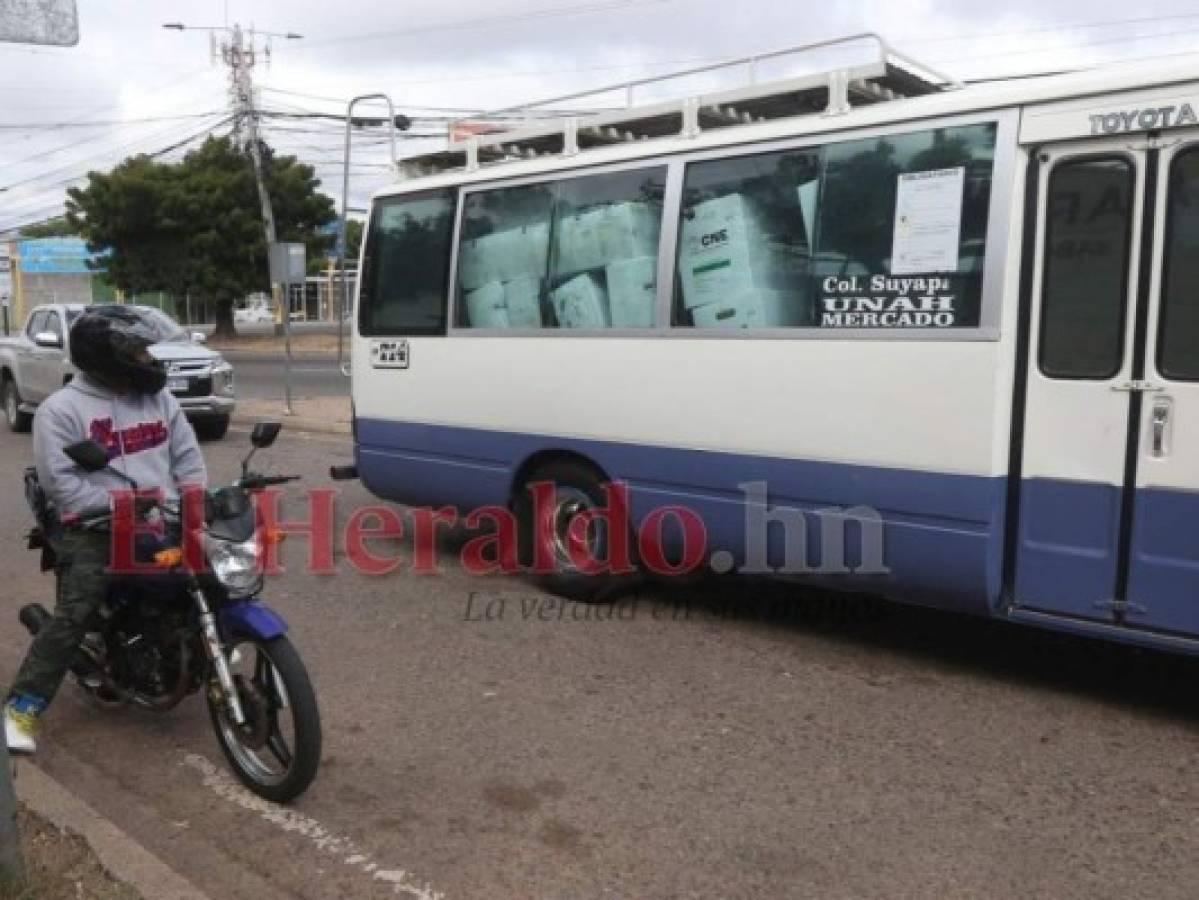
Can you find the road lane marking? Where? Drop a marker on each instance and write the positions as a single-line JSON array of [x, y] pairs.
[[402, 882]]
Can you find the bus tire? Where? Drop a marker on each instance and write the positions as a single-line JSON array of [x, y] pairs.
[[578, 486]]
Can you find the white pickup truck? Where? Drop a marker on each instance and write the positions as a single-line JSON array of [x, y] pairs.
[[36, 362]]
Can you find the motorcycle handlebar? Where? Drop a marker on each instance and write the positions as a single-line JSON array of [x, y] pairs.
[[258, 482], [98, 514]]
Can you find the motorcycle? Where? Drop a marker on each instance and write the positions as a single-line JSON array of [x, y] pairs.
[[159, 637]]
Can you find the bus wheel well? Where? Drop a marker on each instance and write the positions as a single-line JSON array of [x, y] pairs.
[[543, 459]]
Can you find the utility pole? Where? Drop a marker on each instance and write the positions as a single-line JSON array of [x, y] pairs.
[[241, 51]]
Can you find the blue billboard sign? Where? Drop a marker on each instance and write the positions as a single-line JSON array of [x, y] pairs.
[[58, 256]]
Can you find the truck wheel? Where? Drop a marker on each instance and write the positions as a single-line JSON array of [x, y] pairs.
[[18, 421], [211, 429]]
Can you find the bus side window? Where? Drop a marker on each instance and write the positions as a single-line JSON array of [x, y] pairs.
[[581, 253], [902, 229], [405, 286], [502, 257], [806, 238], [1086, 263], [604, 268], [745, 241]]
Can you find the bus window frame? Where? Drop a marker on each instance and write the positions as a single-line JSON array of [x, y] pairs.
[[364, 274], [1163, 312], [1131, 235], [996, 262]]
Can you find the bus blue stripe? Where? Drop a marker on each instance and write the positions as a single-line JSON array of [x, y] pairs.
[[943, 532]]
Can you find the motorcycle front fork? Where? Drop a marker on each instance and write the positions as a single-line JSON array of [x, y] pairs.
[[216, 655]]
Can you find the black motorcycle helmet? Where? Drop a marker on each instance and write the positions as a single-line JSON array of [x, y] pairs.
[[110, 343]]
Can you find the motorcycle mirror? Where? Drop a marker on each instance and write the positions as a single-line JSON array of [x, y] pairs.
[[88, 455], [264, 434]]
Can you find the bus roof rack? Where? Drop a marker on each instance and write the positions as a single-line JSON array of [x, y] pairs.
[[535, 129]]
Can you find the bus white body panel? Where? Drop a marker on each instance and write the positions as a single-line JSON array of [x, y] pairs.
[[737, 396]]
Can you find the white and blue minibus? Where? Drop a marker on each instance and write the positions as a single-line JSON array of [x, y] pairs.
[[967, 314]]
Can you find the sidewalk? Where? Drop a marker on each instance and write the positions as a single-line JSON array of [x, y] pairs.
[[301, 344], [74, 851], [325, 415]]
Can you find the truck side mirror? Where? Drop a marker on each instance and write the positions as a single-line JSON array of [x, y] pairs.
[[88, 455]]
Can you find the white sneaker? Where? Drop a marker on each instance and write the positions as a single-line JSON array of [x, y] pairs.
[[19, 729]]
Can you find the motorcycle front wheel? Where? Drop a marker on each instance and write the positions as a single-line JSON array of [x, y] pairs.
[[277, 751]]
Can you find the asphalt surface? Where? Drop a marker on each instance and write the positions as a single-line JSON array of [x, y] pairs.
[[262, 376], [265, 328], [718, 740]]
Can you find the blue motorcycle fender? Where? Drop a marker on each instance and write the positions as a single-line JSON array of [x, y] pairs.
[[251, 620]]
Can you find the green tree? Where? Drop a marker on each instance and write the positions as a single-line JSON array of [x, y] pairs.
[[57, 227], [354, 228], [196, 226]]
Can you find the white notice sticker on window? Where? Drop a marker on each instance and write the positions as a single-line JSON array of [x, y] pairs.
[[928, 222]]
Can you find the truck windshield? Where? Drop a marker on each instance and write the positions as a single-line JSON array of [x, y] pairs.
[[166, 328]]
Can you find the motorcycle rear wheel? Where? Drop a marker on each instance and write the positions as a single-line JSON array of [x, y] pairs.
[[272, 764]]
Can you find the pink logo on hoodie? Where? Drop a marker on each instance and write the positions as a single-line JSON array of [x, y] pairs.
[[134, 439]]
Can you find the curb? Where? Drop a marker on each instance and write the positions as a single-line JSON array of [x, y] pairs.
[[277, 353], [123, 857], [294, 423]]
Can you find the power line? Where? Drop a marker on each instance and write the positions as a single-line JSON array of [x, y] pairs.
[[1065, 26], [120, 148], [99, 123], [31, 203], [60, 148], [166, 87], [1057, 48], [489, 21], [702, 60], [83, 121]]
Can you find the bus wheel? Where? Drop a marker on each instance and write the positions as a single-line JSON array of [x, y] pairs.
[[577, 489]]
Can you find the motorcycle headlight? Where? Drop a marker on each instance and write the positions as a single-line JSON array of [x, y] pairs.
[[237, 566]]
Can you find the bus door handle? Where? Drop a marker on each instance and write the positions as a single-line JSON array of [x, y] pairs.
[[1162, 409]]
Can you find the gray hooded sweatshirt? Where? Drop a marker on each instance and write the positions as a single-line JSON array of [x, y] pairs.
[[146, 435]]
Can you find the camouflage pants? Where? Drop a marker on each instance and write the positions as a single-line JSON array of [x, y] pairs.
[[82, 577]]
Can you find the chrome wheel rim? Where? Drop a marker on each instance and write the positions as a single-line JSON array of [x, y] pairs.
[[569, 503], [263, 749]]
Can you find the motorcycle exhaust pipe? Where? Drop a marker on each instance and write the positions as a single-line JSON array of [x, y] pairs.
[[33, 617]]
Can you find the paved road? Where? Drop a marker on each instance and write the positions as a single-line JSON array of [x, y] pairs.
[[262, 328], [260, 376], [702, 745]]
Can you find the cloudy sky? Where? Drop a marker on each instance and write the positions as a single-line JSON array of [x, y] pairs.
[[130, 86]]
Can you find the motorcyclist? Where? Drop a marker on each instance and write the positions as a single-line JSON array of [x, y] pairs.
[[118, 401]]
